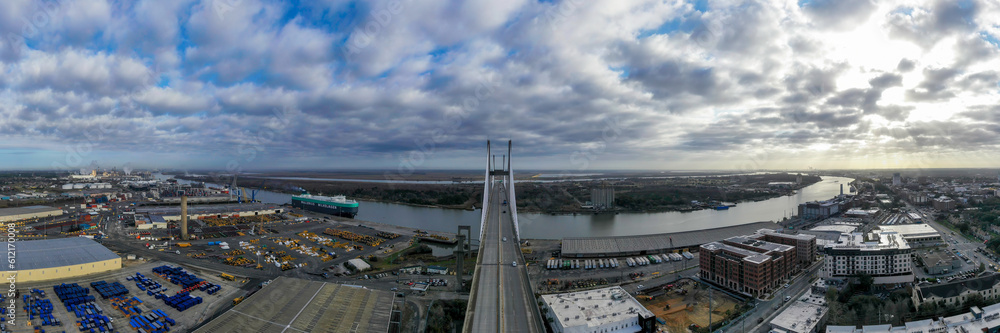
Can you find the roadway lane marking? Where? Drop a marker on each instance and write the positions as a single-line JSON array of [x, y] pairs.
[[303, 308], [500, 299], [264, 320]]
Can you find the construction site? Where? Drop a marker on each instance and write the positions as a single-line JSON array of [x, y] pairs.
[[684, 304]]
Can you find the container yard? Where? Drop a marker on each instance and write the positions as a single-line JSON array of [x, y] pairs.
[[134, 300], [295, 246]]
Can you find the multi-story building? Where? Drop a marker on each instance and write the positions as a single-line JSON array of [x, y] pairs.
[[805, 245], [896, 180], [603, 197], [818, 209], [918, 198], [746, 265], [955, 293], [944, 203], [883, 255]]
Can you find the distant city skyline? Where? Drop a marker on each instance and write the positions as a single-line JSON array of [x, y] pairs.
[[577, 85]]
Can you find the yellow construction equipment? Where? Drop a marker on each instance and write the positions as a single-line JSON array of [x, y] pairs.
[[183, 244], [227, 277], [237, 300]]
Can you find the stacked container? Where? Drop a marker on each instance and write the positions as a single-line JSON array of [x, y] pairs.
[[108, 290], [155, 321], [72, 294], [78, 301], [182, 301], [210, 288], [41, 309], [177, 275]]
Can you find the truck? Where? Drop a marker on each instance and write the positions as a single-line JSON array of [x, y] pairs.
[[183, 244], [227, 277]]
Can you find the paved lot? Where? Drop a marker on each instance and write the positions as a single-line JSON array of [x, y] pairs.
[[955, 242], [543, 251], [296, 305]]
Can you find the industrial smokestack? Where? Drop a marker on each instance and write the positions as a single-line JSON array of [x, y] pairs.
[[184, 217]]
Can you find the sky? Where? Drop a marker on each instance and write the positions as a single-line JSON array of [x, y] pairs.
[[577, 85]]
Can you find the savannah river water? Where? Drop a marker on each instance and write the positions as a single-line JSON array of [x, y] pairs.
[[547, 226]]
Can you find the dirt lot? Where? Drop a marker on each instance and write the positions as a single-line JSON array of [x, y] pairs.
[[688, 304]]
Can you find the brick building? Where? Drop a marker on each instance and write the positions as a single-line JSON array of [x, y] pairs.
[[747, 265], [805, 245]]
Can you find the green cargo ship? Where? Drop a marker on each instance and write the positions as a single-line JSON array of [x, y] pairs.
[[336, 205]]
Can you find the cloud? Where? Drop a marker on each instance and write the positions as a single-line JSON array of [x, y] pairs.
[[839, 14], [638, 84]]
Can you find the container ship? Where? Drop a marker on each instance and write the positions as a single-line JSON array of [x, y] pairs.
[[336, 205]]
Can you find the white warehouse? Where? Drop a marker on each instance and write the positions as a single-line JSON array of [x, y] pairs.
[[607, 310]]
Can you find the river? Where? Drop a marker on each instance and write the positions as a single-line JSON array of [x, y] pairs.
[[546, 226]]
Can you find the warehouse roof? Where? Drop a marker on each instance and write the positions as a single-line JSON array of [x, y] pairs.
[[205, 209], [958, 287], [298, 305], [26, 210], [801, 317], [38, 254], [595, 246], [912, 230], [595, 308]]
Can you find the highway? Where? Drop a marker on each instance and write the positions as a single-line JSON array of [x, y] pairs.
[[503, 301]]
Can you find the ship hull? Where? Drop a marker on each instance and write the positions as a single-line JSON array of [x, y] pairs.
[[341, 211]]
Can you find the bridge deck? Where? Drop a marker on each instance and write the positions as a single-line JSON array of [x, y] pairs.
[[503, 301]]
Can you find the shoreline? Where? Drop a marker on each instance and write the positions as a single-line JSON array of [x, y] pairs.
[[472, 206]]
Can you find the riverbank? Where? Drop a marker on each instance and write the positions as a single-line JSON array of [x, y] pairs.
[[632, 195], [547, 226]]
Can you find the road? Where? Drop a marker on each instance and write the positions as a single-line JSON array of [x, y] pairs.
[[768, 309], [503, 301], [955, 242]]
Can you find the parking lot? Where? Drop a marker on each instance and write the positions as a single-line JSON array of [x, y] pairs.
[[971, 253], [546, 280]]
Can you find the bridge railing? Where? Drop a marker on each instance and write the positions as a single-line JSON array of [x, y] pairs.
[[486, 194], [510, 188]]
